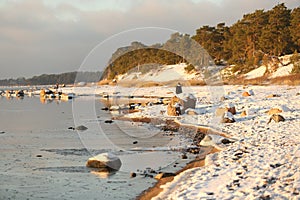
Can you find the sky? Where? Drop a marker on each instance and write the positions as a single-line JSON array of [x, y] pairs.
[[55, 36]]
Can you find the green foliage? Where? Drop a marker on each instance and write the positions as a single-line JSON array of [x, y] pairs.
[[295, 28], [247, 44], [258, 34], [178, 49], [295, 59]]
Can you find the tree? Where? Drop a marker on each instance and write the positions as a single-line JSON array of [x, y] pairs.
[[275, 39], [295, 28]]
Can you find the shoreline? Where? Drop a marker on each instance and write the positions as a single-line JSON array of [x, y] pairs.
[[173, 124], [156, 189]]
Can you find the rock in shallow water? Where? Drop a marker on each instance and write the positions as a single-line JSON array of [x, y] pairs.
[[104, 160], [81, 128]]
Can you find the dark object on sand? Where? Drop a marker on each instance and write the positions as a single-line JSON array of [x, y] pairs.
[[132, 174], [277, 118], [164, 175], [109, 121], [184, 156], [135, 142], [71, 128], [105, 108], [226, 141]]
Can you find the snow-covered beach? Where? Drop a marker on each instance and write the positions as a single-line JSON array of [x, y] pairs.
[[263, 162], [264, 159]]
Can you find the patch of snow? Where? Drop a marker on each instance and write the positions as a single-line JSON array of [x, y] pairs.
[[283, 71], [258, 72], [162, 74]]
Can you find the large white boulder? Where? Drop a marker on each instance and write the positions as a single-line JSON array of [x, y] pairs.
[[104, 160]]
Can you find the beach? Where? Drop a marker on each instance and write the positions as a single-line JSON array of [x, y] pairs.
[[42, 158]]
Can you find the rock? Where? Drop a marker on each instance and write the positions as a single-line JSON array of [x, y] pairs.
[[135, 142], [246, 94], [164, 175], [104, 160], [272, 95], [274, 111], [184, 156], [2, 132], [132, 174], [171, 109], [105, 108], [227, 108], [232, 110], [243, 113], [109, 121], [71, 128], [39, 156], [180, 103], [276, 118], [226, 141], [227, 118], [81, 128]]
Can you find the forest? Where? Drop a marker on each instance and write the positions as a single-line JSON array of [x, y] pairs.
[[250, 42], [52, 79]]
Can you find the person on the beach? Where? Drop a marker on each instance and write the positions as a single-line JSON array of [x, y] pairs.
[[178, 89]]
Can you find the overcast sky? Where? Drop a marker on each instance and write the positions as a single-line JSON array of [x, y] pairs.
[[54, 36]]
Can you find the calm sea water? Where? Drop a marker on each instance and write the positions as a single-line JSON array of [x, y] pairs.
[[41, 158]]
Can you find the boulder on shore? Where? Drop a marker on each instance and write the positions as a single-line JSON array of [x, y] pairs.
[[180, 103], [274, 111], [276, 118], [226, 108], [227, 118], [104, 160]]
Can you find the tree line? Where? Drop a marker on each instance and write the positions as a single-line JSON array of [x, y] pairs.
[[52, 79], [248, 43]]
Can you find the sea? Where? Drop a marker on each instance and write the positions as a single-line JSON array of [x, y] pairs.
[[43, 157]]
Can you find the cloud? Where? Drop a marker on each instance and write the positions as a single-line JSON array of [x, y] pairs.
[[41, 37]]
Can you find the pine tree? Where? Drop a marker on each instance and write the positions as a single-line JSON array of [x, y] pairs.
[[275, 39], [295, 28]]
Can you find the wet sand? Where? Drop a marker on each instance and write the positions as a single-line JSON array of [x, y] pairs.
[[199, 161]]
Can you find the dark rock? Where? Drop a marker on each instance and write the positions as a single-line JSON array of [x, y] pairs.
[[81, 128], [135, 142], [109, 121], [226, 141], [184, 156], [39, 156], [132, 174], [2, 132], [71, 128], [105, 108], [276, 118], [198, 137], [275, 165]]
